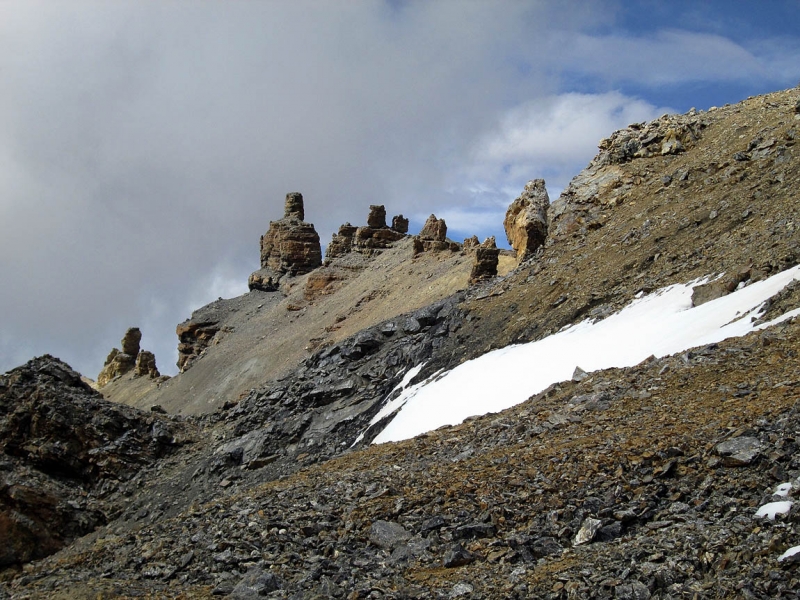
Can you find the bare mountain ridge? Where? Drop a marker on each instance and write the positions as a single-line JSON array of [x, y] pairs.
[[631, 483]]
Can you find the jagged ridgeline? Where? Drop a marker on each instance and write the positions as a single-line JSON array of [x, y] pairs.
[[672, 478]]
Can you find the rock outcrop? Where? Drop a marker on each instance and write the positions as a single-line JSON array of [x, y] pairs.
[[146, 365], [60, 444], [194, 336], [433, 237], [131, 358], [487, 255], [400, 224], [376, 235], [434, 230], [290, 246], [526, 219], [342, 242]]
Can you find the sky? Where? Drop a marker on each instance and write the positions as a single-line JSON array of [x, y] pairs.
[[146, 145]]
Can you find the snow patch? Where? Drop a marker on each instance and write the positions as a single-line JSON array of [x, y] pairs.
[[772, 509], [789, 553], [659, 324]]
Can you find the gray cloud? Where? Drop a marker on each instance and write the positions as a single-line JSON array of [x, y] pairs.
[[144, 146]]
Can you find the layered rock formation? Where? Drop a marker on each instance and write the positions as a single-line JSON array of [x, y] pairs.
[[366, 240], [290, 247], [433, 237], [131, 358], [526, 219]]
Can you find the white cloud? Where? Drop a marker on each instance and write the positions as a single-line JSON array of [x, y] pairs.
[[552, 137]]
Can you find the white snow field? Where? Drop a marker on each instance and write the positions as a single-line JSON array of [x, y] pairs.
[[661, 323]]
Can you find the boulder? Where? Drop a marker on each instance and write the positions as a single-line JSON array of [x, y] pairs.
[[526, 219], [264, 280]]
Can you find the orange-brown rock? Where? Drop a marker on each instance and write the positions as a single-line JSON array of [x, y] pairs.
[[434, 229], [146, 365], [471, 243], [118, 363], [433, 237], [376, 235], [526, 219], [291, 246]]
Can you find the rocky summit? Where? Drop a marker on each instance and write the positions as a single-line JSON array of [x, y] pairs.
[[253, 472]]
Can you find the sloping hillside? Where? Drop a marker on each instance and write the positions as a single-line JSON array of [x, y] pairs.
[[642, 482], [264, 335]]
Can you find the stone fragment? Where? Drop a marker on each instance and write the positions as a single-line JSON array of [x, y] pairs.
[[256, 583], [632, 591], [457, 556], [387, 534], [587, 532], [526, 220], [474, 530], [738, 452], [579, 375]]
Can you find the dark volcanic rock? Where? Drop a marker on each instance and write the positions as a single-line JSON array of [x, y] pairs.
[[62, 441]]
